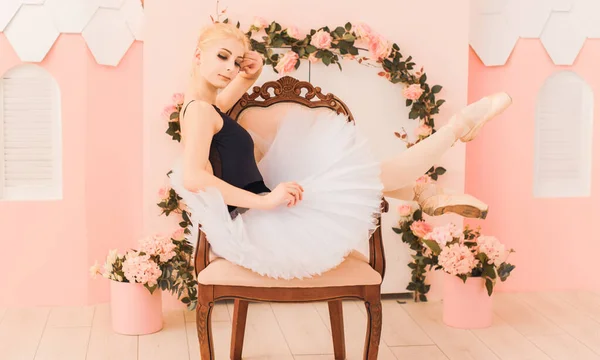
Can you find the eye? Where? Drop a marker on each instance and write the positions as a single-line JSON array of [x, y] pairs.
[[223, 57], [238, 64]]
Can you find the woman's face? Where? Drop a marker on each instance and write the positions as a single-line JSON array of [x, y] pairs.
[[219, 62]]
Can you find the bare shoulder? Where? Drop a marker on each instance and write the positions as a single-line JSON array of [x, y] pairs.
[[202, 114]]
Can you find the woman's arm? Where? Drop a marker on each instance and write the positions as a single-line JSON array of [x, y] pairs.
[[251, 69], [202, 122]]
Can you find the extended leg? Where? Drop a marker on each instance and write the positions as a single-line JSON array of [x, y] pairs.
[[401, 170]]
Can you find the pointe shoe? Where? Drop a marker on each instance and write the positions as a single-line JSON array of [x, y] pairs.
[[435, 200], [482, 111]]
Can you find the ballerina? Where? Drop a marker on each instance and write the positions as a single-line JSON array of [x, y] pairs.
[[318, 186]]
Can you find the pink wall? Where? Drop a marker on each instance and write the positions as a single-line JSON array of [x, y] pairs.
[[48, 246], [554, 238]]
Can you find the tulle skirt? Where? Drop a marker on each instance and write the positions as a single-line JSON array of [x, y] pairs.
[[342, 197]]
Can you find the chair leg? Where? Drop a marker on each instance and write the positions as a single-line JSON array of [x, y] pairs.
[[203, 322], [240, 312], [336, 316], [374, 318]]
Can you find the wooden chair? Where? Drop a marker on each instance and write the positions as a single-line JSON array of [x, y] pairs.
[[356, 278]]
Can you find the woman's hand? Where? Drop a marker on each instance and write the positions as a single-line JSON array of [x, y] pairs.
[[285, 193], [251, 66]]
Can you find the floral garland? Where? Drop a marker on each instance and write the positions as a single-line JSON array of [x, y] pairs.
[[329, 45]]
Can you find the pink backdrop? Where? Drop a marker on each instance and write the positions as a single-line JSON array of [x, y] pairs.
[[48, 246], [554, 238]]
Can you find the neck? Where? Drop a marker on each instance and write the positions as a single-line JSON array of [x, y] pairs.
[[200, 89]]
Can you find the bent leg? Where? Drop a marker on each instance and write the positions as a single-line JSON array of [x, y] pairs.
[[403, 169]]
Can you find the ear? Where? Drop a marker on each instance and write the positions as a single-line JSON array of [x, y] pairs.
[[197, 55]]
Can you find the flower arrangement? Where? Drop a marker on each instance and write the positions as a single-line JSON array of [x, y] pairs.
[[159, 262], [463, 253]]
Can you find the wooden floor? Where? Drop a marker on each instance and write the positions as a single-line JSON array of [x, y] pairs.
[[526, 326]]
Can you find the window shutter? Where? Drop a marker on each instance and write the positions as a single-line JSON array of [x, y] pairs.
[[30, 135], [563, 137]]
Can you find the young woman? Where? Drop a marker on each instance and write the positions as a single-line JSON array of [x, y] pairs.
[[314, 195]]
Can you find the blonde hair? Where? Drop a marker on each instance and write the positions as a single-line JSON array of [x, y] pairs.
[[219, 30]]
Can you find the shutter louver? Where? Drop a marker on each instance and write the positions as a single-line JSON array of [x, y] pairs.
[[29, 135], [563, 139]]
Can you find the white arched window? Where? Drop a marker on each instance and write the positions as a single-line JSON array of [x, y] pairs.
[[563, 137], [30, 135]]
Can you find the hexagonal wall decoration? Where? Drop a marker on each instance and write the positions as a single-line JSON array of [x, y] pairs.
[[8, 9], [587, 14], [562, 38], [108, 37], [492, 38], [32, 43], [111, 4], [71, 16], [561, 5], [528, 16], [488, 6], [133, 13]]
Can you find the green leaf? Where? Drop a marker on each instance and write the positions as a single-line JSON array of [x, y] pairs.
[[440, 102], [310, 49], [340, 31], [440, 171], [352, 50], [488, 271], [423, 79], [433, 245], [348, 26], [395, 47], [489, 285], [422, 297], [411, 286], [397, 230], [174, 116], [436, 89], [409, 102]]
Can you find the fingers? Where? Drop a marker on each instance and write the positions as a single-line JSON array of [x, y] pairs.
[[295, 191]]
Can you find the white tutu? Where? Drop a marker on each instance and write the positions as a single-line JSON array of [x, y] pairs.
[[325, 154]]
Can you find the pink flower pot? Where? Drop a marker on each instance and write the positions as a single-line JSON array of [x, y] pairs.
[[466, 305], [134, 311]]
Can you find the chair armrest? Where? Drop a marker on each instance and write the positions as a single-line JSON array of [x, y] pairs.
[[376, 251], [201, 258]]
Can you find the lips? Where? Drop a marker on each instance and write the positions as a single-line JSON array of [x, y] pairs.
[[224, 77]]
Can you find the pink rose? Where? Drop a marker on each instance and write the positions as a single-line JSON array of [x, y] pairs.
[[164, 192], [168, 110], [295, 33], [178, 99], [457, 259], [287, 63], [313, 58], [379, 47], [362, 31], [423, 130], [321, 39], [420, 228], [424, 180], [260, 23], [412, 92], [405, 210]]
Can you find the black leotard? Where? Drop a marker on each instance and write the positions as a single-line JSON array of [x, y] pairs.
[[232, 157]]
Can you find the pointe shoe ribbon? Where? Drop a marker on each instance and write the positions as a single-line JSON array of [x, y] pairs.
[[482, 111]]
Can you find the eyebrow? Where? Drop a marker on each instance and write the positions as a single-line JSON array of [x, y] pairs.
[[239, 57]]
